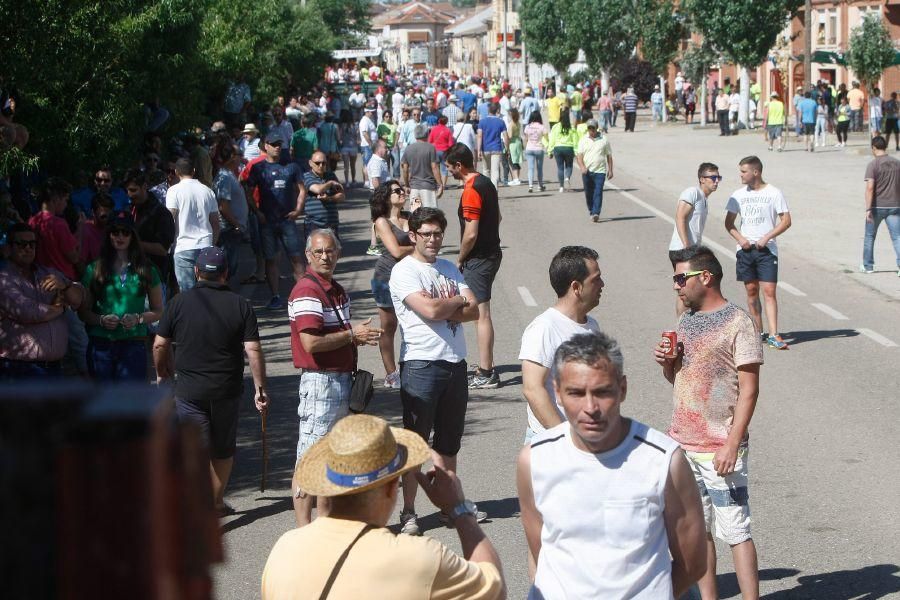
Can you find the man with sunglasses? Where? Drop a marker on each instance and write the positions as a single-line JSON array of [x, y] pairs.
[[691, 213], [764, 216], [715, 375], [431, 301], [324, 192]]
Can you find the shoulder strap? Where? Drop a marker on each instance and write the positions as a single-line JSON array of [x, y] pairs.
[[340, 319], [340, 563]]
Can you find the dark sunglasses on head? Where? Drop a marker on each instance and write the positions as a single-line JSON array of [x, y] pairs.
[[121, 232], [25, 243]]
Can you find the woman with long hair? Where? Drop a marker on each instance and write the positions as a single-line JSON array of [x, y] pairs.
[[535, 141], [349, 147], [118, 286], [514, 128], [563, 139], [391, 225]]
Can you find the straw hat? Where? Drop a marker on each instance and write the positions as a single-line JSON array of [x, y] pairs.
[[360, 452]]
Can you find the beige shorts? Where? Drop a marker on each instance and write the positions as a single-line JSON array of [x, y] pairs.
[[428, 197], [727, 498]]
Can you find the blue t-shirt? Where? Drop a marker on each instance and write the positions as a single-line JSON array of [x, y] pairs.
[[483, 110], [468, 100], [318, 213], [807, 109], [82, 198], [277, 186], [492, 129]]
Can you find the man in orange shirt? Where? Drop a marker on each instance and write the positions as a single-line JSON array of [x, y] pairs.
[[479, 252]]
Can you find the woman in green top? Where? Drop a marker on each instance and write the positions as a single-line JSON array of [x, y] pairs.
[[563, 139], [118, 285], [387, 131], [516, 146], [843, 122]]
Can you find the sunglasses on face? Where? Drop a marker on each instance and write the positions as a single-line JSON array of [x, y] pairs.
[[680, 279], [398, 191], [716, 178], [102, 180], [318, 163], [25, 243], [120, 233]]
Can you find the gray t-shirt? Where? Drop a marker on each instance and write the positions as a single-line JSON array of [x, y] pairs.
[[420, 156], [693, 196], [885, 172], [229, 190]]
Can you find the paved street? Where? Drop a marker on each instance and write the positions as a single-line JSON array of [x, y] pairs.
[[824, 479]]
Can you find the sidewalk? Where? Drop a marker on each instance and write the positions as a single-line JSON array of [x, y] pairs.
[[825, 189]]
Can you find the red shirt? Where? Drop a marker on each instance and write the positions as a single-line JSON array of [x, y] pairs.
[[245, 175], [54, 242], [91, 241], [310, 311], [440, 137]]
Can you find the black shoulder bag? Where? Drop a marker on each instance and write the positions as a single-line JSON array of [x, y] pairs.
[[361, 389], [340, 563]]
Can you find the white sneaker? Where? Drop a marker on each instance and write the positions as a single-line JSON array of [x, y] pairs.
[[409, 523], [392, 380], [514, 182], [561, 190]]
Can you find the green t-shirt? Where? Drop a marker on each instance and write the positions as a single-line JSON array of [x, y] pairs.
[[120, 297], [304, 142], [388, 133], [776, 113]]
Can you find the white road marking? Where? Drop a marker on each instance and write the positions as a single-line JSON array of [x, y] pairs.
[[876, 337], [527, 298], [789, 288], [830, 311]]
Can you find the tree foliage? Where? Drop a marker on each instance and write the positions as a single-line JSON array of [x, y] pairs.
[[660, 30], [870, 51], [603, 29], [545, 24], [743, 30], [636, 73], [697, 60], [348, 20]]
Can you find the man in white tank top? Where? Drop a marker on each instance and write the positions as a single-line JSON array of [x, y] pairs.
[[609, 505]]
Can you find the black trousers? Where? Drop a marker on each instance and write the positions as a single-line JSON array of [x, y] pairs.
[[723, 122], [630, 118]]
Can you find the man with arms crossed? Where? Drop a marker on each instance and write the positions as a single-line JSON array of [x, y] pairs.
[[479, 252], [716, 379], [431, 300], [609, 505], [764, 216], [690, 216]]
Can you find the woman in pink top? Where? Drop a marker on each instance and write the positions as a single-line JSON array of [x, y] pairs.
[[441, 138], [535, 135]]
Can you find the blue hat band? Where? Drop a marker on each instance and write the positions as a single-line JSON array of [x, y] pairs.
[[362, 479]]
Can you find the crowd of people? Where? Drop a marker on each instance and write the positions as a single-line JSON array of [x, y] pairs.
[[114, 278]]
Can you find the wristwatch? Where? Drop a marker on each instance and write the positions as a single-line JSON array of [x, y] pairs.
[[466, 507], [141, 319]]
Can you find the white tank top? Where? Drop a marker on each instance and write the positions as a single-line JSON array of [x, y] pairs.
[[604, 535]]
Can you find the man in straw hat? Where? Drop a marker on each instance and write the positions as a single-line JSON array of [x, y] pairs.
[[349, 553]]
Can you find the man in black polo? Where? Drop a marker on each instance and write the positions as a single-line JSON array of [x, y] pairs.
[[324, 191], [155, 227], [212, 328], [479, 252]]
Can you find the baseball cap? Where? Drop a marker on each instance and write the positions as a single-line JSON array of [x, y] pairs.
[[273, 137], [120, 219], [211, 260], [593, 124], [453, 98], [773, 95]]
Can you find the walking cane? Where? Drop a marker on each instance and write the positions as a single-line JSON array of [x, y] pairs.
[[265, 450]]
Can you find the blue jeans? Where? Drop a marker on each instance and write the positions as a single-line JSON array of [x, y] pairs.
[[230, 243], [606, 120], [20, 370], [441, 163], [120, 360], [892, 216], [535, 160], [593, 191], [565, 157], [184, 268], [395, 162], [657, 112]]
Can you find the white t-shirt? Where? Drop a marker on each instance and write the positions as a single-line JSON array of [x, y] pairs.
[[693, 196], [397, 104], [195, 203], [734, 103], [759, 211], [366, 125], [424, 339], [377, 167], [540, 340]]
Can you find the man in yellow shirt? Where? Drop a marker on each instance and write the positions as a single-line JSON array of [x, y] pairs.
[[855, 98], [594, 156], [349, 554], [554, 105], [775, 121]]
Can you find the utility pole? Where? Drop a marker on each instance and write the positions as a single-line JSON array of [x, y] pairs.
[[505, 51], [807, 43]]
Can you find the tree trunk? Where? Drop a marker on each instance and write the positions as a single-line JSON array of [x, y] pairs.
[[807, 43], [703, 101], [604, 80], [744, 108], [662, 89]]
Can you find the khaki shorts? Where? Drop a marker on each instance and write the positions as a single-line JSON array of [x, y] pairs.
[[428, 197], [727, 498]]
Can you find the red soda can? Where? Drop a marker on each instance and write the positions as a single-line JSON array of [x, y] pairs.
[[670, 343]]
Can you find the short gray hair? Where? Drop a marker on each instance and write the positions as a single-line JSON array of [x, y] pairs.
[[327, 231], [589, 349]]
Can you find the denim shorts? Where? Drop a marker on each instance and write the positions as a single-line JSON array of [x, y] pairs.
[[285, 232], [324, 399], [757, 265], [435, 394], [381, 291], [725, 498]]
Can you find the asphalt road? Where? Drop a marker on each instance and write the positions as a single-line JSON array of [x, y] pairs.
[[824, 474]]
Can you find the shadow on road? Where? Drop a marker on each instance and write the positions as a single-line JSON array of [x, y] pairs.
[[273, 506], [631, 218], [798, 337], [868, 583]]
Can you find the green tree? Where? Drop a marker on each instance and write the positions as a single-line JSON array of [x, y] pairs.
[[660, 30], [744, 31], [870, 51], [547, 36], [695, 64], [346, 19], [603, 29]]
